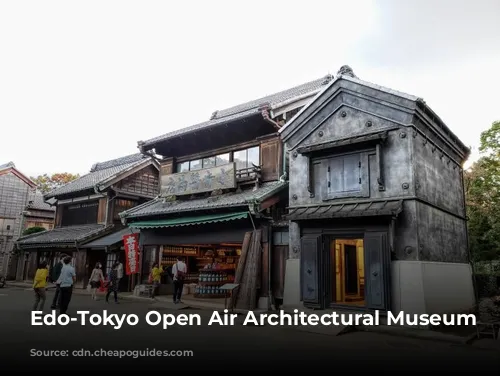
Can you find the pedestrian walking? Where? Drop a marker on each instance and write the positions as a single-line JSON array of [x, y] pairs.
[[156, 273], [39, 286], [54, 277], [113, 282], [95, 279], [119, 274], [66, 281], [179, 271]]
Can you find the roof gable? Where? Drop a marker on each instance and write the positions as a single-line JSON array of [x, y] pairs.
[[386, 104], [11, 168], [103, 173], [244, 110]]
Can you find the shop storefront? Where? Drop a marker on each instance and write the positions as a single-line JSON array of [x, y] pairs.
[[210, 245]]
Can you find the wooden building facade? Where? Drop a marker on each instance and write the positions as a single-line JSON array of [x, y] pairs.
[[222, 182], [88, 210], [376, 204]]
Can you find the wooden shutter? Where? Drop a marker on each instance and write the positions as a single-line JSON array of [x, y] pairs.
[[101, 213], [167, 166], [344, 175], [270, 159], [310, 270], [59, 214], [352, 175], [376, 270]]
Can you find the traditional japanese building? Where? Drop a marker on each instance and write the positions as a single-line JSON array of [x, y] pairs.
[[220, 180], [376, 204], [38, 213], [16, 191], [87, 223]]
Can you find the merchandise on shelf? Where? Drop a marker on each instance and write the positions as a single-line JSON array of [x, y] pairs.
[[210, 282]]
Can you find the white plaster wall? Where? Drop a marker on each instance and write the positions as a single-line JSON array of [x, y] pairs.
[[291, 293], [431, 287]]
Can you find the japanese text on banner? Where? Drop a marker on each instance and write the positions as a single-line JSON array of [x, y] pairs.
[[131, 243]]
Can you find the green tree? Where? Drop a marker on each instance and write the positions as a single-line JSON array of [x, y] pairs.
[[46, 183], [33, 230], [482, 187]]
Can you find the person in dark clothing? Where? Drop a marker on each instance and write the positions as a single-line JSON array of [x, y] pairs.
[[113, 283], [54, 276], [179, 271]]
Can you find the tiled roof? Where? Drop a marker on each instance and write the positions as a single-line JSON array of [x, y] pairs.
[[228, 200], [277, 98], [39, 204], [247, 109], [60, 236], [101, 172], [118, 162]]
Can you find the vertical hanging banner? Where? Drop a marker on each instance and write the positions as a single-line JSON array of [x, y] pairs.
[[131, 245]]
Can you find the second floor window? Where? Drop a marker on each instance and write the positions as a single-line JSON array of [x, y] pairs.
[[347, 176], [245, 158], [198, 164]]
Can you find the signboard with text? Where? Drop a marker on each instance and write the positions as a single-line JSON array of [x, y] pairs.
[[206, 180], [131, 245]]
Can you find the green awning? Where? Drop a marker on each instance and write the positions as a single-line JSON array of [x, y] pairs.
[[186, 221]]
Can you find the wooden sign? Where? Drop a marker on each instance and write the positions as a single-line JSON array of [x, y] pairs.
[[206, 180]]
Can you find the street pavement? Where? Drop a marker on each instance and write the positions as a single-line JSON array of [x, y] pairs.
[[211, 347]]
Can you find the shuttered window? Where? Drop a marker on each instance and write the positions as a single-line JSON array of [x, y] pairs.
[[347, 176]]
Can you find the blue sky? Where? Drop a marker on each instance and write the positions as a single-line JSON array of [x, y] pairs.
[[82, 82]]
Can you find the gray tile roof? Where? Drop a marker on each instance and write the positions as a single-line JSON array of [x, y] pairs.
[[276, 98], [228, 200], [245, 110], [118, 162], [60, 236], [39, 204], [101, 172], [341, 75]]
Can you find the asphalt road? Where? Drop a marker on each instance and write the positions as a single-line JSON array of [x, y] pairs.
[[211, 347]]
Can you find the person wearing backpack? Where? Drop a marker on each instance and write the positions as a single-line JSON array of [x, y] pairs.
[[179, 271]]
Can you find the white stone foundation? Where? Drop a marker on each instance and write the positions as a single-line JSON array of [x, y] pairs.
[[416, 287], [431, 287]]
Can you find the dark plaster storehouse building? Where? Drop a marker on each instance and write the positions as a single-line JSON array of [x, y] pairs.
[[87, 223], [376, 203]]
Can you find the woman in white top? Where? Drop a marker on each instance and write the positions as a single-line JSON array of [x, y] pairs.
[[95, 279]]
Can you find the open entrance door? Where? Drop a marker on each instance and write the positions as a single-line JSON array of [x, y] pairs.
[[348, 264], [359, 271]]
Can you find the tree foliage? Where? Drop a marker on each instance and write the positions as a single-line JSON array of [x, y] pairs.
[[46, 183], [482, 188], [33, 230]]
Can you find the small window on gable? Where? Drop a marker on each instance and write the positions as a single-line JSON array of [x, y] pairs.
[[347, 176]]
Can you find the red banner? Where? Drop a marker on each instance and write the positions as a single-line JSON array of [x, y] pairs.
[[131, 244]]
